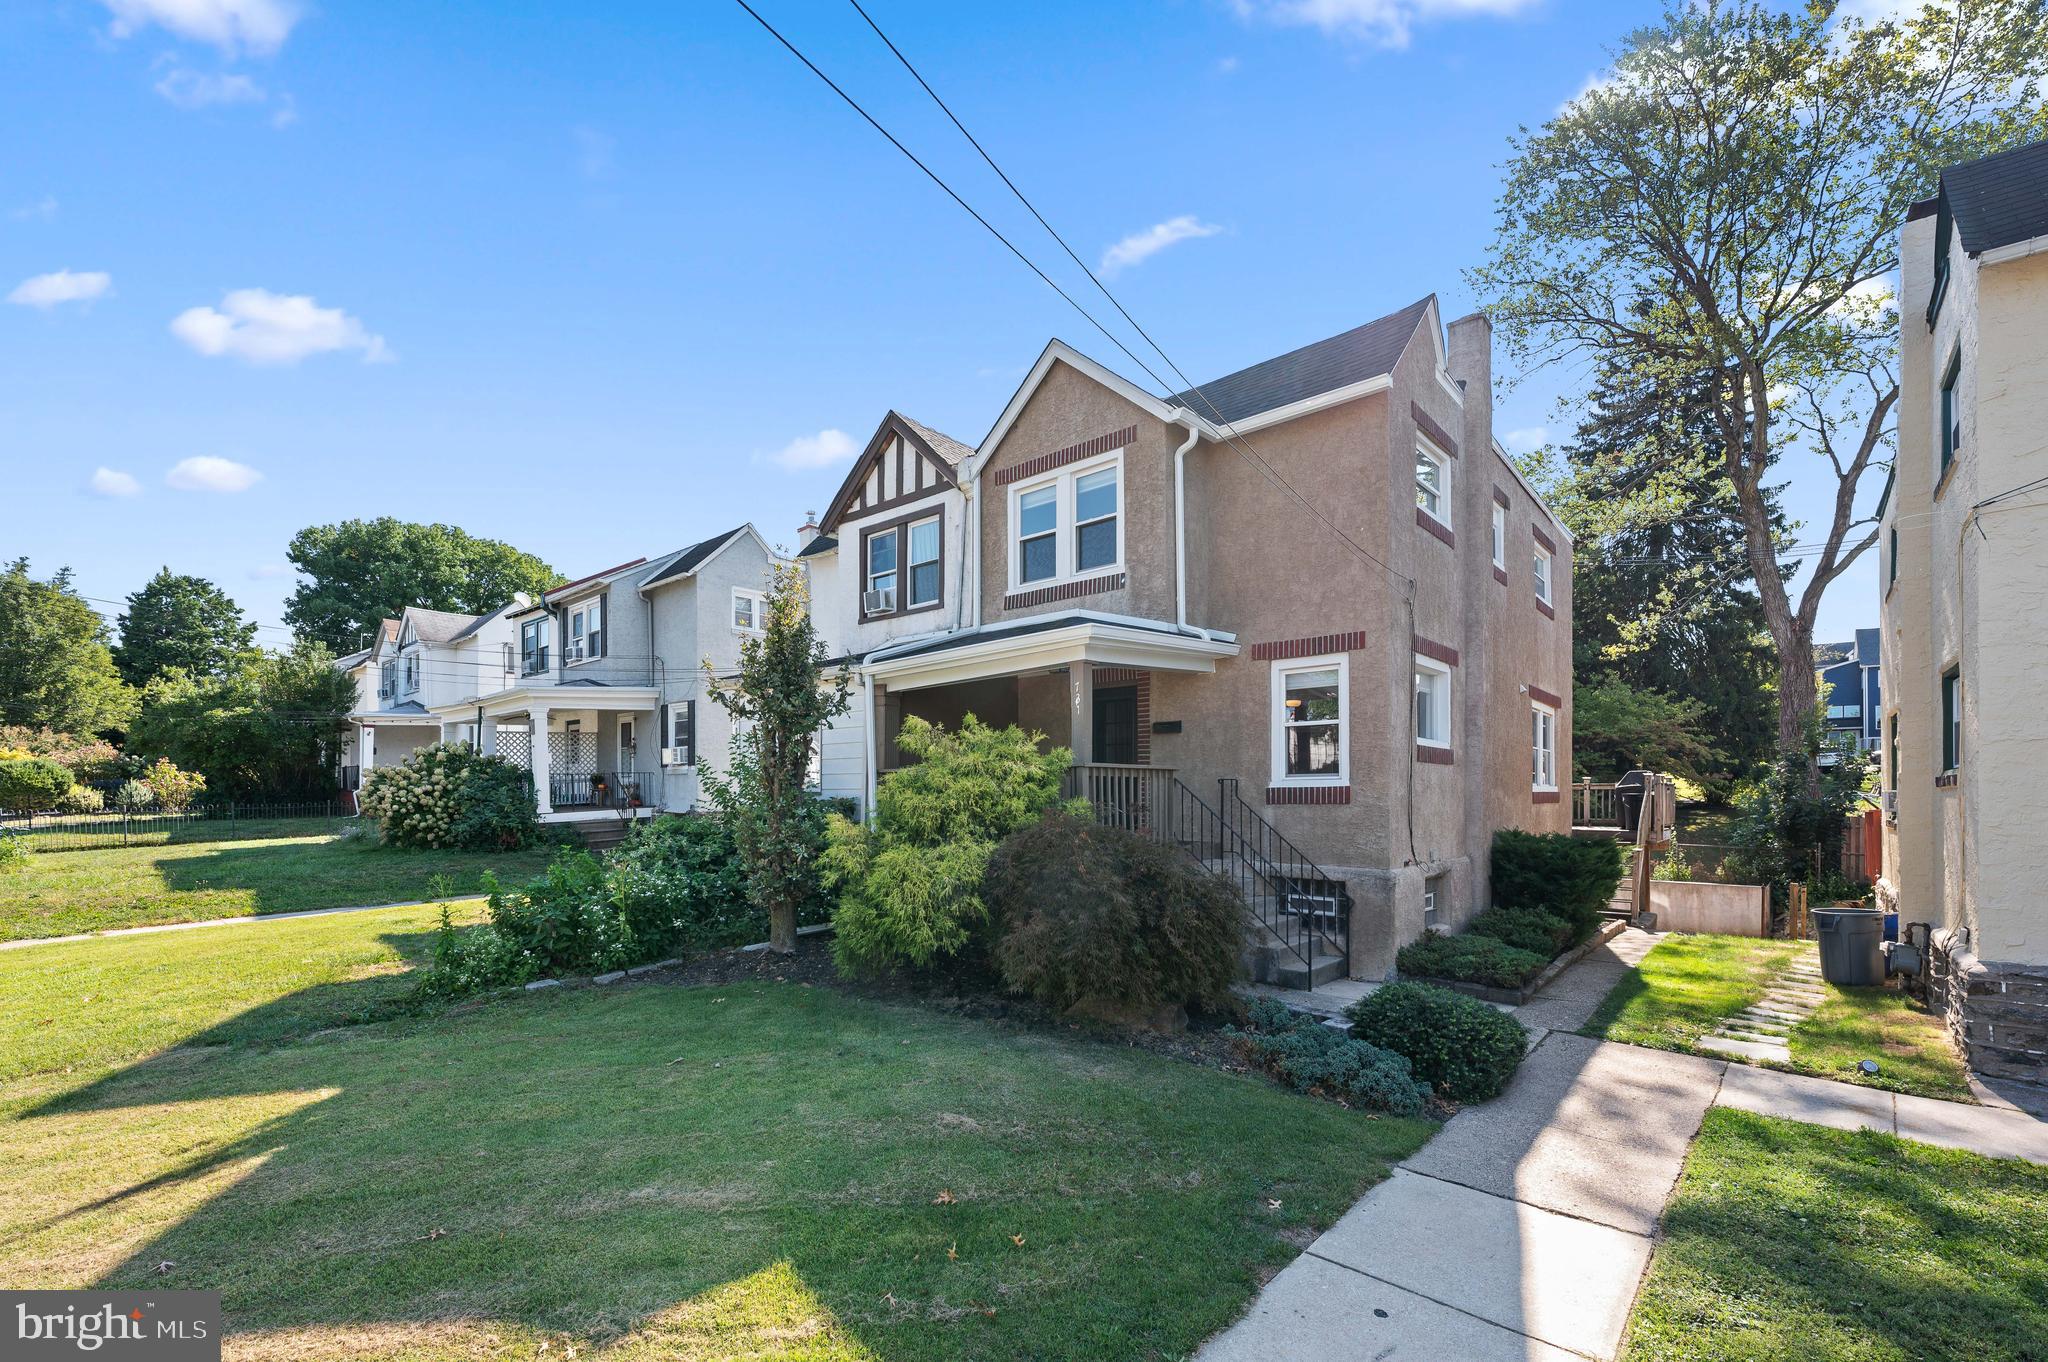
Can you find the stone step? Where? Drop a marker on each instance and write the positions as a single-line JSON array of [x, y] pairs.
[[1747, 1049], [1289, 972]]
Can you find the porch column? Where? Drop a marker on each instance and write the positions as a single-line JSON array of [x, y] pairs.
[[368, 746], [1081, 695], [538, 718], [487, 737]]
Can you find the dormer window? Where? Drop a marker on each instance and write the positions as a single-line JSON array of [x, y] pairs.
[[1068, 525]]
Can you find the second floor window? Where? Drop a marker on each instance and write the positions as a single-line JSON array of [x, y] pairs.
[[1951, 719], [1500, 535], [1542, 567], [533, 647], [747, 610], [586, 632], [1068, 525], [387, 680], [904, 562], [1951, 413], [412, 672], [1432, 483]]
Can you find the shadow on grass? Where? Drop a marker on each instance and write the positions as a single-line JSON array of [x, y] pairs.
[[660, 1171], [287, 877]]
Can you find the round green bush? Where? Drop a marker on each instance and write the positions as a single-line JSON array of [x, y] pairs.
[[1470, 959], [679, 882], [447, 795], [81, 799], [1096, 914], [1570, 876], [1313, 1058], [32, 784], [1464, 1048]]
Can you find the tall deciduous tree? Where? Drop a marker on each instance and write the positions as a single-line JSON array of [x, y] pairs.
[[184, 622], [55, 668], [779, 701], [361, 571], [272, 728], [1749, 171]]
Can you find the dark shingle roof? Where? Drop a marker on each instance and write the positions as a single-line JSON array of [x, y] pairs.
[[824, 543], [1352, 357], [690, 558], [943, 445], [2000, 199]]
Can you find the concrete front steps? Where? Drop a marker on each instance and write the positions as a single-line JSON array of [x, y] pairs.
[[1272, 960]]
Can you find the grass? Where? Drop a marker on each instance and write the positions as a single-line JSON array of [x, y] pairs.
[[641, 1171], [65, 892], [1686, 985], [1794, 1243]]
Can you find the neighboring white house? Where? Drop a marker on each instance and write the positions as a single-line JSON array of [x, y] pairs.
[[603, 695], [423, 658], [1964, 605]]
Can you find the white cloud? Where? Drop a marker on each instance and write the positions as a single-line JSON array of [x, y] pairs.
[[823, 450], [189, 89], [270, 571], [1139, 247], [262, 327], [1390, 23], [1227, 66], [1527, 438], [1599, 80], [208, 473], [62, 286], [108, 482], [43, 209], [258, 27]]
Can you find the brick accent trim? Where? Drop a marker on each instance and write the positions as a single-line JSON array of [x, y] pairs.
[[1309, 647], [1545, 796], [1436, 527], [1142, 679], [1501, 575], [1538, 693], [1501, 496], [1542, 538], [1067, 591], [1434, 756], [1308, 794], [1549, 610], [1441, 652], [1438, 436], [1060, 458]]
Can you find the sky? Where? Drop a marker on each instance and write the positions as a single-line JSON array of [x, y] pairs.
[[602, 280]]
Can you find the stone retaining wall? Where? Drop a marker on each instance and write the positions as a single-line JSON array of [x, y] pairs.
[[1997, 1012]]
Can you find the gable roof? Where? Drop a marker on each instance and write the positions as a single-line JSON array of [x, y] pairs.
[[555, 592], [1339, 361], [1999, 199], [693, 557], [439, 626], [940, 451], [824, 543]]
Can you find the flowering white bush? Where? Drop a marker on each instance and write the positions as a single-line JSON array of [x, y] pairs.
[[447, 795]]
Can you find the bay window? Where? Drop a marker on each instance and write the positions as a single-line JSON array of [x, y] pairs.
[[1542, 747], [1068, 525], [1310, 731]]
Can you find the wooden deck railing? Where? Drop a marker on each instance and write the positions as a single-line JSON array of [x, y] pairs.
[[1124, 796]]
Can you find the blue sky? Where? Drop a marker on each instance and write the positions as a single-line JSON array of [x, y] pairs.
[[600, 280]]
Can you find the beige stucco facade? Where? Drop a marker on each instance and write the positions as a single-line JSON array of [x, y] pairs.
[[1203, 612], [1965, 592]]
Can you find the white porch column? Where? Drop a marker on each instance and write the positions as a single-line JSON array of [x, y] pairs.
[[487, 737], [1081, 694], [368, 746], [538, 717]]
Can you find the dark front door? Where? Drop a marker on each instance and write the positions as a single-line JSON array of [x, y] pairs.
[[1116, 725]]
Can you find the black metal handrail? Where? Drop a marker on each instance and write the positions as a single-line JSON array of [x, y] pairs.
[[605, 790], [1314, 901]]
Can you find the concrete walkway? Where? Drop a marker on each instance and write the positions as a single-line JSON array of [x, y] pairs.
[[242, 921], [1522, 1231]]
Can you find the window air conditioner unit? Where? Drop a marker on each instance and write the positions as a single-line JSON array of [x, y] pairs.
[[878, 602], [671, 756]]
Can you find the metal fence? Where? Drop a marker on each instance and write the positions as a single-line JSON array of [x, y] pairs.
[[228, 822]]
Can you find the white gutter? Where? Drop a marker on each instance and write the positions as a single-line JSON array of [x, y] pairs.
[[867, 723]]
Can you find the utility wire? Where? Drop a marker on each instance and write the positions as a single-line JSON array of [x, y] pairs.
[[1237, 442]]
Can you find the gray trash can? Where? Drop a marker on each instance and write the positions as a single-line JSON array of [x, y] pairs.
[[1851, 953]]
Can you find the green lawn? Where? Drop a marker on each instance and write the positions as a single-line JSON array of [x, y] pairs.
[[645, 1171], [1687, 984], [1796, 1243], [59, 893]]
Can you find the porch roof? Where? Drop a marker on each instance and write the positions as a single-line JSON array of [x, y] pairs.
[[410, 712], [1050, 641], [567, 695]]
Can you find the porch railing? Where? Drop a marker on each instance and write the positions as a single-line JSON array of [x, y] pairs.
[[1595, 806], [1124, 796], [605, 790]]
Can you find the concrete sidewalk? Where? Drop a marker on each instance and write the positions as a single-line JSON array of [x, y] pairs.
[[242, 921]]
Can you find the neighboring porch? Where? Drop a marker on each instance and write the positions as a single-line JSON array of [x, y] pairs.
[[386, 737], [592, 752]]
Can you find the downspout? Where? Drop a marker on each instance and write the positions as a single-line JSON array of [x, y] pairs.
[[1180, 526]]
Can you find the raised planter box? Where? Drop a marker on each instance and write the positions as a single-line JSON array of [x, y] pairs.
[[1515, 997]]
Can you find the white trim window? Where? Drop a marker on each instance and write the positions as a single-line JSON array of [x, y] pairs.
[[1068, 525], [1432, 702], [1432, 481], [921, 575], [1500, 536], [1542, 746], [1541, 566], [882, 550], [412, 672], [533, 646], [586, 632], [749, 610], [1311, 698], [387, 680]]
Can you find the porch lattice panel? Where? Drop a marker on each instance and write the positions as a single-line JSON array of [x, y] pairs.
[[516, 746], [573, 754]]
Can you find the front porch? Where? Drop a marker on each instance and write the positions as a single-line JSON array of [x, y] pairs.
[[592, 752]]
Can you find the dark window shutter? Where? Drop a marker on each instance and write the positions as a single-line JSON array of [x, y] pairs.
[[690, 732], [663, 739]]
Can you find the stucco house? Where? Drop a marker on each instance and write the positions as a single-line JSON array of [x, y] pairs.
[[1964, 582], [423, 658], [1311, 605], [603, 693]]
